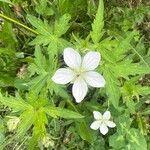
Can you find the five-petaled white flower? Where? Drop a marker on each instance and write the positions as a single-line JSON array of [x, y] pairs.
[[102, 122], [80, 72]]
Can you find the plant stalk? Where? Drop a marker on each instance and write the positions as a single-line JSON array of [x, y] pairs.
[[18, 23]]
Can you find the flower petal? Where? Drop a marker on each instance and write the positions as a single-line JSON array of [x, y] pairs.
[[110, 124], [91, 60], [79, 90], [103, 129], [97, 115], [63, 76], [106, 115], [94, 79], [72, 58], [95, 125]]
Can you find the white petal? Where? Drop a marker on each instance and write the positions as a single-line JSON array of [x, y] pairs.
[[103, 129], [79, 90], [110, 124], [97, 115], [95, 125], [94, 79], [63, 76], [91, 60], [106, 115], [72, 58]]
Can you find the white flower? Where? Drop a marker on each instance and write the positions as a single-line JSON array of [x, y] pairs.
[[102, 122], [80, 72]]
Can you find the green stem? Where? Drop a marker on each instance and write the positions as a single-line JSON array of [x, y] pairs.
[[18, 23]]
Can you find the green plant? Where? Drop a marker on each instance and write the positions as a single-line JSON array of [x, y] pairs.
[[39, 112]]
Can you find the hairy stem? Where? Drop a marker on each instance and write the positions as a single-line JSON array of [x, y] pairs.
[[18, 23]]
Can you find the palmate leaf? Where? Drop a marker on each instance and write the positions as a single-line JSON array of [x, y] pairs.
[[98, 23], [62, 112], [49, 33]]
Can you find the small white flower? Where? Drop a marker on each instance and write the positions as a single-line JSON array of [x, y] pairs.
[[80, 72], [102, 122]]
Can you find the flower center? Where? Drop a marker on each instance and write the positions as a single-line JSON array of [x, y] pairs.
[[102, 121], [79, 72]]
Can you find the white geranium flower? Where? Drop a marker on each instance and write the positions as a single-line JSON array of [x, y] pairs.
[[80, 72], [102, 122]]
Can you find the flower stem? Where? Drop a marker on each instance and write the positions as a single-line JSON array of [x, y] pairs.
[[18, 23]]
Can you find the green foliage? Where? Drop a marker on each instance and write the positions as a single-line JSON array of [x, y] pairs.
[[119, 66], [126, 137], [43, 8], [56, 111], [33, 35], [35, 113], [6, 1], [50, 35], [98, 23]]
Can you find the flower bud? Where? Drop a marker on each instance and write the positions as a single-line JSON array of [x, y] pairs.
[[46, 142], [12, 123]]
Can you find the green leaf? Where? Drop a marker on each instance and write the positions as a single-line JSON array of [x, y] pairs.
[[112, 89], [123, 46], [126, 137], [38, 82], [42, 27], [117, 141], [146, 111], [40, 60], [41, 40], [143, 90], [27, 119], [6, 1], [98, 23], [62, 25], [43, 9], [136, 140], [16, 103], [41, 67], [40, 122], [62, 112], [126, 68], [84, 131]]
